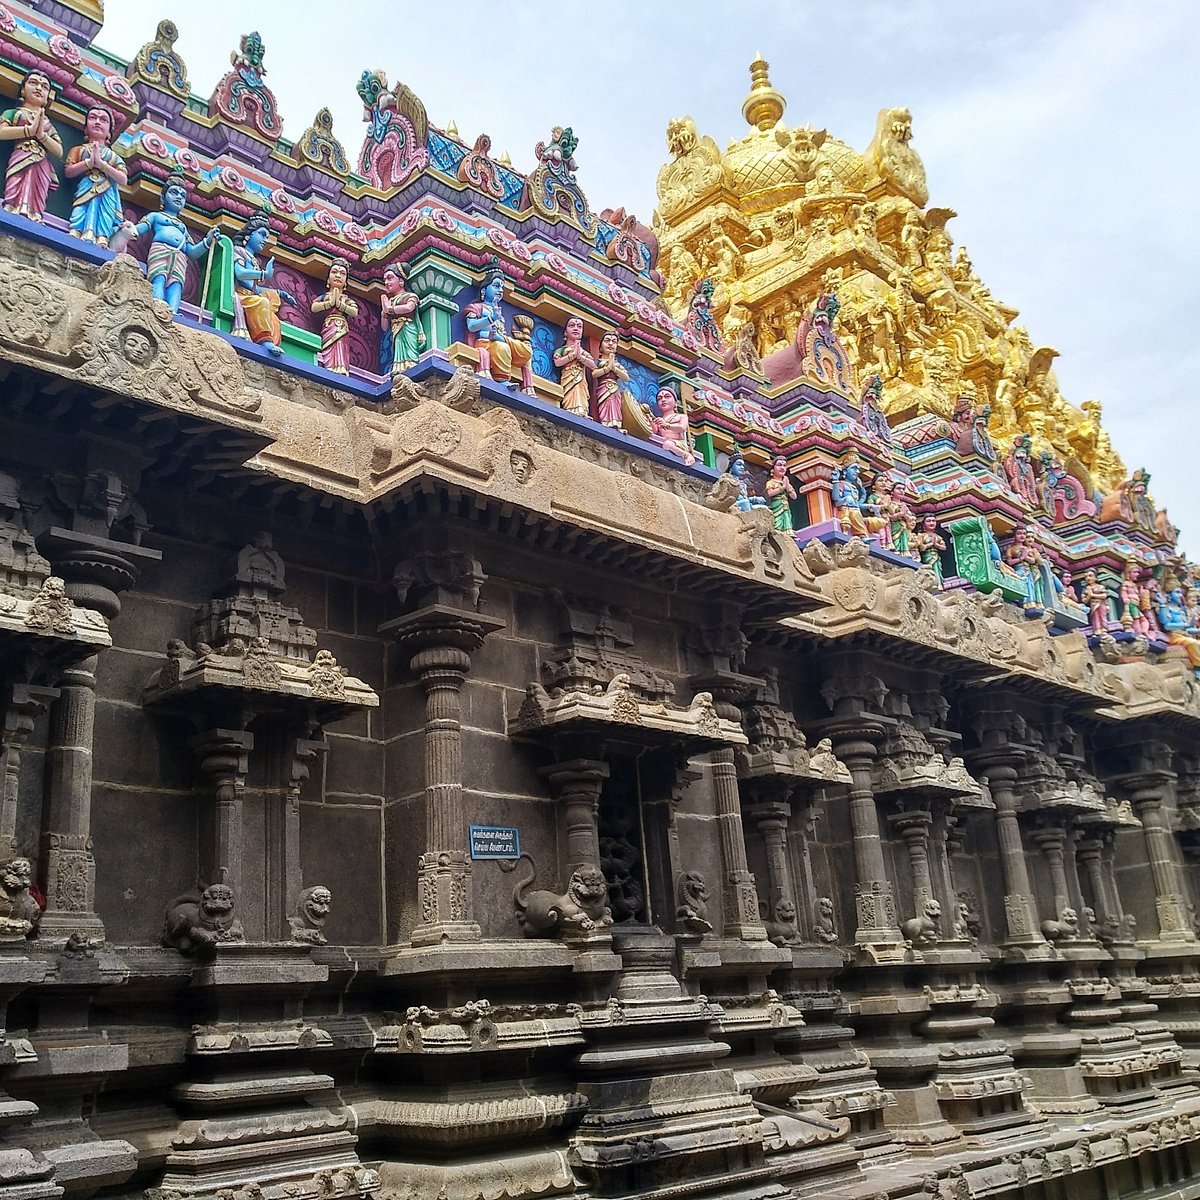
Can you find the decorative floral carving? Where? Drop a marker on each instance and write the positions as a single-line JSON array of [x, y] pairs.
[[31, 305]]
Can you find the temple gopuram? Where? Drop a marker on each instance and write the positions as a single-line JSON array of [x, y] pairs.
[[506, 701]]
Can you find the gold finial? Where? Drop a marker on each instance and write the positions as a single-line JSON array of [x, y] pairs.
[[452, 130], [504, 160], [764, 106]]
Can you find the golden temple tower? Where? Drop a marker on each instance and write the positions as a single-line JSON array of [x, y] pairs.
[[785, 214]]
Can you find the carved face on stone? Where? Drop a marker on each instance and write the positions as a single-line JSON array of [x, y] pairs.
[[694, 885], [137, 346], [825, 908], [574, 329], [216, 904], [522, 466], [785, 912], [608, 343], [16, 874], [393, 281], [315, 904], [667, 401], [933, 910], [588, 887], [1070, 918]]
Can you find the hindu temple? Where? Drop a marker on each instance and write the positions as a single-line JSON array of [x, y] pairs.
[[504, 701]]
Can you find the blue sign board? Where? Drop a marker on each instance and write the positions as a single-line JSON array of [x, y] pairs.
[[495, 841]]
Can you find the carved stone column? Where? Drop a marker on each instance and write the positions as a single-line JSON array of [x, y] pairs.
[[441, 642], [1052, 842], [70, 869], [1148, 793], [855, 744], [577, 784], [1020, 908], [96, 569], [772, 820], [1110, 920], [223, 755], [26, 703], [742, 918], [914, 826]]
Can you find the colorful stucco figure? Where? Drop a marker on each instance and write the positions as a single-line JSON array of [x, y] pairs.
[[34, 144]]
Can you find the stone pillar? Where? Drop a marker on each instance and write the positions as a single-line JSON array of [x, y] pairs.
[[440, 641], [285, 880], [1109, 919], [1108, 843], [95, 569], [742, 919], [69, 868], [1148, 793], [875, 902], [577, 784], [1051, 841], [914, 829], [26, 703], [772, 820], [224, 759], [1020, 909]]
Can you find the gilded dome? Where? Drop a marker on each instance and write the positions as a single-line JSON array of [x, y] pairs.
[[762, 172], [851, 169]]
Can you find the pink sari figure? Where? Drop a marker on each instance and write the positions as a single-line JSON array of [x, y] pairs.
[[607, 378], [336, 307], [30, 176]]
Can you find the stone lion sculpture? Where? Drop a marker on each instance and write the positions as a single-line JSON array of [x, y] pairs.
[[923, 930], [19, 911], [307, 921], [1064, 929], [824, 926], [576, 913], [197, 925], [692, 912]]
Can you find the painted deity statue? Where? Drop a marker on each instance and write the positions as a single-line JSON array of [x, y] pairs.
[[607, 378], [257, 306], [401, 336], [850, 501], [1018, 467], [1176, 623], [1025, 559], [822, 354], [573, 360], [30, 177], [745, 500], [335, 308], [700, 321], [929, 544], [170, 245], [96, 210], [498, 353], [1095, 600], [1134, 618], [899, 520], [671, 426], [778, 491]]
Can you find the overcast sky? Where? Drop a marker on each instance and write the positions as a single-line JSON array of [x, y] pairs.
[[1064, 133]]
